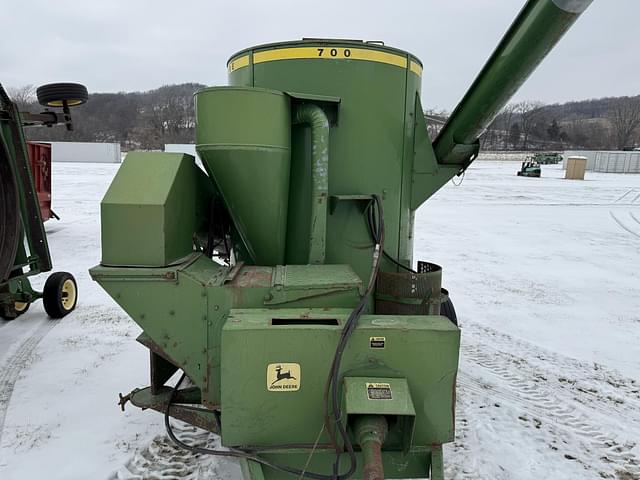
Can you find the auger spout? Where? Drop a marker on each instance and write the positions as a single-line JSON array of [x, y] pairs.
[[533, 34]]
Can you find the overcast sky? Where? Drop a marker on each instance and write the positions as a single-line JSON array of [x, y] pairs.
[[127, 45]]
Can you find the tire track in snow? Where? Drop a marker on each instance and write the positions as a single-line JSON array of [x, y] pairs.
[[627, 229], [14, 365], [562, 416], [163, 460], [620, 198]]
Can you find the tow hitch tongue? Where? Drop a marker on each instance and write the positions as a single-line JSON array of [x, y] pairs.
[[371, 431]]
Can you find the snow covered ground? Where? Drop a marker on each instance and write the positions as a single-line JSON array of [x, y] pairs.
[[545, 274]]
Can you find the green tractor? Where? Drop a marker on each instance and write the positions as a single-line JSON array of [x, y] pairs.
[[24, 251], [530, 168], [547, 158]]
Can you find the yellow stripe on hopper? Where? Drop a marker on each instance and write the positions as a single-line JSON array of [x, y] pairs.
[[329, 53], [237, 63], [326, 53], [416, 68]]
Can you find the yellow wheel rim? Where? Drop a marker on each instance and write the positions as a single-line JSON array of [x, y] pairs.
[[68, 294], [20, 306]]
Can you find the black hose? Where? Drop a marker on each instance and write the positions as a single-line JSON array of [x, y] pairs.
[[372, 231], [232, 452]]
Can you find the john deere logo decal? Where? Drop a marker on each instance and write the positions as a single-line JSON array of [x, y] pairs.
[[283, 377]]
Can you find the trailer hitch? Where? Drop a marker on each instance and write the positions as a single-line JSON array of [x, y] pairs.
[[124, 399]]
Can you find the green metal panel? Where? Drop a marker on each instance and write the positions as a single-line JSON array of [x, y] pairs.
[[182, 308], [171, 308], [422, 349], [373, 83], [397, 464], [155, 204], [243, 136]]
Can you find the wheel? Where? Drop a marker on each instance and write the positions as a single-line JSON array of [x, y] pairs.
[[60, 294], [57, 94], [21, 307], [447, 309], [6, 313]]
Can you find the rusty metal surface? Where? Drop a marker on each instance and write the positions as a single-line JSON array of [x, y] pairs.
[[252, 277], [372, 469], [185, 406], [146, 340], [371, 432], [40, 161]]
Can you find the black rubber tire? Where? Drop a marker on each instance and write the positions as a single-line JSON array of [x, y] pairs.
[[8, 319], [447, 309], [15, 311], [58, 301], [55, 94]]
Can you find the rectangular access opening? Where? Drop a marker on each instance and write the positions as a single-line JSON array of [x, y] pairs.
[[278, 322]]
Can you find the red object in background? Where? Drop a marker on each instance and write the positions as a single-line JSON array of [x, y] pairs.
[[40, 160]]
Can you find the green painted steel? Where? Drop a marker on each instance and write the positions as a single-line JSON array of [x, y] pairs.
[[153, 226], [243, 136], [371, 142], [534, 33], [254, 415], [183, 307], [308, 133], [396, 464]]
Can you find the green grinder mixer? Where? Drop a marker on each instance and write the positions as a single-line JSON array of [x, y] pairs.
[[279, 278]]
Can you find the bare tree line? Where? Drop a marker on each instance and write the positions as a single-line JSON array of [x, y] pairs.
[[608, 123], [137, 120], [148, 120]]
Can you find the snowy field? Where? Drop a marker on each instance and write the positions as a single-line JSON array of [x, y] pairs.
[[545, 275]]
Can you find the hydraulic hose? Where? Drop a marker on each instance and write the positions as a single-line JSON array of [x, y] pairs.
[[317, 120]]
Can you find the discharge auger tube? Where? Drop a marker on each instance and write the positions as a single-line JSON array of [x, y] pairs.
[[536, 30]]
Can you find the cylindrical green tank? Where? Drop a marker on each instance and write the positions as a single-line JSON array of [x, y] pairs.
[[243, 137], [371, 139]]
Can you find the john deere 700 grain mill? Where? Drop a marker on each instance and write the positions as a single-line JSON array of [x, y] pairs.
[[280, 280]]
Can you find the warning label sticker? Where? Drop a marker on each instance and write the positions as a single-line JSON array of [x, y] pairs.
[[283, 377], [377, 342], [379, 391]]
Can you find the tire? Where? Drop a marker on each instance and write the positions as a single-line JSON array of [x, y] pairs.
[[19, 308], [60, 295], [447, 309], [57, 94]]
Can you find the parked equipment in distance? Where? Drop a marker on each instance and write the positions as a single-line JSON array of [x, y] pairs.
[[529, 168], [24, 251]]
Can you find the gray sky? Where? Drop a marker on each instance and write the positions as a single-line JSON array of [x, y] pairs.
[[118, 45]]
